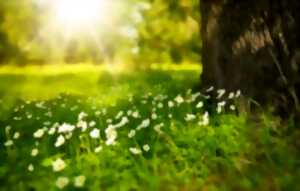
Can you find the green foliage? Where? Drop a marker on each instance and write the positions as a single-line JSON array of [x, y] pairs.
[[230, 152]]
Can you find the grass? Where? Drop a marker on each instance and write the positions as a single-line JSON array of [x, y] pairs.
[[176, 146]]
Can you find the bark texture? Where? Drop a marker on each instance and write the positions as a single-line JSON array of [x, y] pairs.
[[253, 46]]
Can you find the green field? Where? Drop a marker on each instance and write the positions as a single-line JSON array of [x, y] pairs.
[[83, 127]]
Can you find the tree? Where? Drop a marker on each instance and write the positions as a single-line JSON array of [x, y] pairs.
[[253, 46]]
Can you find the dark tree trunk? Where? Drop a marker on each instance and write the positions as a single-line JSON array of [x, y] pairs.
[[253, 46]]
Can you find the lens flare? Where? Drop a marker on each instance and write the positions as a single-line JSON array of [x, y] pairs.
[[80, 13]]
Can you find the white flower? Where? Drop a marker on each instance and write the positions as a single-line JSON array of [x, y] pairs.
[[232, 107], [39, 133], [194, 96], [131, 133], [238, 94], [109, 121], [79, 181], [220, 106], [62, 182], [136, 114], [16, 135], [135, 151], [92, 123], [111, 135], [51, 131], [7, 129], [129, 112], [18, 118], [221, 92], [123, 122], [210, 89], [154, 116], [170, 104], [231, 95], [104, 111], [59, 141], [8, 143], [146, 148], [47, 123], [34, 152], [58, 165], [98, 149], [205, 119], [200, 105], [119, 115], [30, 168], [82, 115], [65, 128], [179, 99], [69, 135], [160, 105], [190, 117], [95, 133], [219, 109], [158, 127], [145, 123], [98, 113]]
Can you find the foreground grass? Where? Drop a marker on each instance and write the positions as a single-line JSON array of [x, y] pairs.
[[136, 131]]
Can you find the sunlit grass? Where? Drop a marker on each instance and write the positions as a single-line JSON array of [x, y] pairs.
[[84, 127], [106, 82]]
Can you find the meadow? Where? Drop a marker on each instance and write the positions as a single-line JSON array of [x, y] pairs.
[[84, 127]]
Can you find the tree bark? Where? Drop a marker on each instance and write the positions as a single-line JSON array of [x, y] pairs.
[[253, 46]]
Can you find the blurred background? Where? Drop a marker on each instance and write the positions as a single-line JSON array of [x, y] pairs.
[[134, 33]]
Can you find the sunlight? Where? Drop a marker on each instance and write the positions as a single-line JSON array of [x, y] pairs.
[[77, 14]]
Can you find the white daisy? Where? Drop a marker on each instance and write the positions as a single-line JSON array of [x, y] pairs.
[[135, 151], [8, 143], [92, 123], [79, 181], [98, 149], [170, 104], [190, 117], [205, 119], [95, 133], [82, 115], [34, 152], [131, 133], [111, 135], [231, 95], [221, 92], [51, 131], [65, 128], [145, 123], [200, 104], [154, 116], [179, 99], [58, 165], [30, 168], [39, 133], [59, 141], [16, 135], [232, 107], [62, 182], [210, 89], [146, 148]]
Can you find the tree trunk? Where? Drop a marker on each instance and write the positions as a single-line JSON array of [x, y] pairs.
[[253, 46]]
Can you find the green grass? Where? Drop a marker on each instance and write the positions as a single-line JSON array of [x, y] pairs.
[[232, 152]]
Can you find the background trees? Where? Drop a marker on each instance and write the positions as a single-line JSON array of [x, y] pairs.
[[133, 32]]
